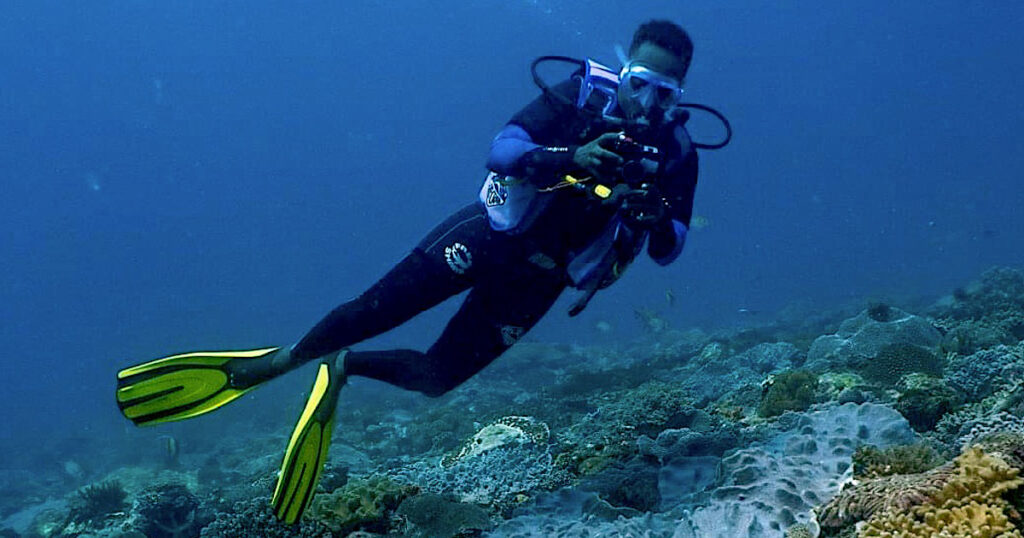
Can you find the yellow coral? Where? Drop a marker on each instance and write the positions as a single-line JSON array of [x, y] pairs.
[[970, 505], [361, 503]]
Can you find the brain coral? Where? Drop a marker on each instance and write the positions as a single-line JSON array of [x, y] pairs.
[[896, 360], [862, 500]]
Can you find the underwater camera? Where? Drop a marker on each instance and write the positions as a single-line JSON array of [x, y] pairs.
[[640, 162]]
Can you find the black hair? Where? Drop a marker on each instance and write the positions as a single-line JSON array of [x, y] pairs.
[[667, 35]]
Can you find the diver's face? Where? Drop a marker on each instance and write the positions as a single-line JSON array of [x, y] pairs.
[[662, 62]]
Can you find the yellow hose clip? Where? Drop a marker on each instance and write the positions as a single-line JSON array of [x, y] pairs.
[[602, 191]]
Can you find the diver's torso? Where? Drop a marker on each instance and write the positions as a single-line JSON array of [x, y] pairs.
[[570, 220]]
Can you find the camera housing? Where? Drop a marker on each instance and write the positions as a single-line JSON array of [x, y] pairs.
[[640, 160]]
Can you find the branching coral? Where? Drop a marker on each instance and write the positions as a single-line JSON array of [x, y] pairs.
[[989, 370], [95, 502], [958, 498], [970, 504]]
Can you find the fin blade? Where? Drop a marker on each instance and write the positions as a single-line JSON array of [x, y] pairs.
[[170, 394], [180, 386], [307, 450], [194, 358]]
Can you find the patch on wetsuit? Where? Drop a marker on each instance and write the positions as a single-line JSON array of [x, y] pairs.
[[458, 257], [510, 334], [543, 261]]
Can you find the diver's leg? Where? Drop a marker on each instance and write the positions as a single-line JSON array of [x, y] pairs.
[[494, 315], [424, 278]]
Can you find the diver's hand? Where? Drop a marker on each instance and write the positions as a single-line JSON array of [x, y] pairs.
[[596, 158], [643, 208]]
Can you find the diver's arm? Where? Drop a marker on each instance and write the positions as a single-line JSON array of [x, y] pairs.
[[524, 146], [668, 237], [514, 153]]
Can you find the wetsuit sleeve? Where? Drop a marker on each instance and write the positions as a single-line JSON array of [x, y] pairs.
[[528, 147], [668, 238]]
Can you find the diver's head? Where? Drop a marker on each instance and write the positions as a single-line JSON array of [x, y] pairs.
[[651, 81]]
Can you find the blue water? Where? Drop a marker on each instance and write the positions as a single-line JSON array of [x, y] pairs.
[[194, 174]]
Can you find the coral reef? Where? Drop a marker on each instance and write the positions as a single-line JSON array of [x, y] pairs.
[[570, 513], [860, 501], [610, 433], [432, 516], [732, 372], [980, 374], [676, 347], [799, 531], [996, 300], [788, 391], [495, 478], [873, 462], [95, 502], [632, 485], [683, 480], [682, 434], [971, 503], [767, 488], [167, 511], [963, 427], [361, 504], [862, 338], [506, 430], [970, 336], [833, 384], [494, 467], [893, 361], [253, 517], [925, 404], [711, 439], [960, 497]]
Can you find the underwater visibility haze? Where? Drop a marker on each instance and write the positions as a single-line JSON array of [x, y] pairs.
[[191, 175]]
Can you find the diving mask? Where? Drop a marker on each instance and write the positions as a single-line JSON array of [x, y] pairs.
[[648, 87]]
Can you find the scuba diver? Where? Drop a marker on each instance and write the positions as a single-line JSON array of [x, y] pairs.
[[580, 180]]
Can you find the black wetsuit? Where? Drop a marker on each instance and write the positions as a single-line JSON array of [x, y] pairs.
[[513, 279]]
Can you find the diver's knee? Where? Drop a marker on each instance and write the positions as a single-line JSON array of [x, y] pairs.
[[439, 386], [435, 392]]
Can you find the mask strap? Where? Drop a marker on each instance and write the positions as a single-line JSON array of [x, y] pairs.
[[620, 51]]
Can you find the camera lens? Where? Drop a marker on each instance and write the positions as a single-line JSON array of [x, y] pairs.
[[633, 171]]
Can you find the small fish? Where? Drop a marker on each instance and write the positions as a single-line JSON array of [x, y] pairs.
[[171, 450], [670, 297], [747, 311], [699, 222], [603, 327], [92, 180]]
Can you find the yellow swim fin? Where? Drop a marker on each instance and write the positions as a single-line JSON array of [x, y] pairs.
[[190, 384], [307, 449]]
